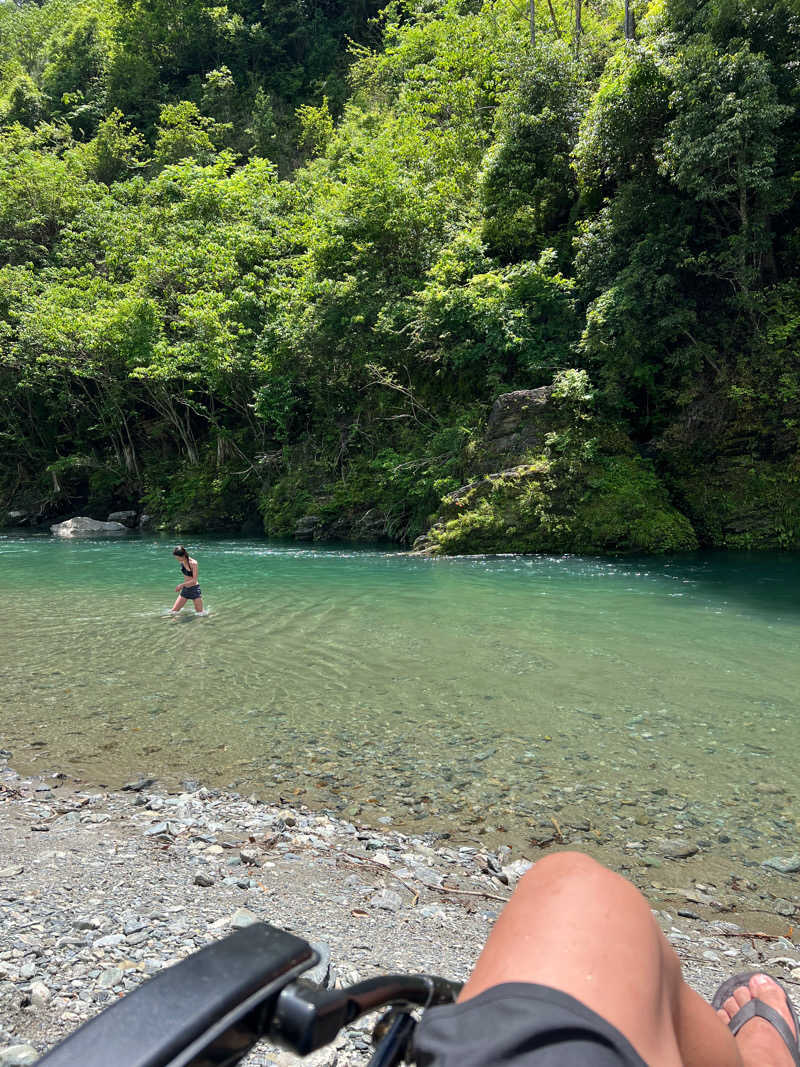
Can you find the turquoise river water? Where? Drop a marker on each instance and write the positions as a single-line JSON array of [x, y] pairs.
[[482, 697]]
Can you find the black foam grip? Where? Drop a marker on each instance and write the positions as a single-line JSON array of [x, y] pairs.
[[229, 982]]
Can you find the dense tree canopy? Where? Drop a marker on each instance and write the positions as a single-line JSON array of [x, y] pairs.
[[281, 257]]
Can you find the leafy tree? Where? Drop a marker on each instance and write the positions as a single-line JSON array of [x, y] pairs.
[[721, 147], [183, 133], [528, 183], [116, 151]]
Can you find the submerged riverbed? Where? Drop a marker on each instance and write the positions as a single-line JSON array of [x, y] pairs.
[[622, 705]]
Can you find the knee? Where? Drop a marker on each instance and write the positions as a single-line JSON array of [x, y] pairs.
[[564, 867], [575, 878]]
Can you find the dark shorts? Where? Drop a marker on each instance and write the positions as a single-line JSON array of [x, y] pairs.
[[524, 1025], [192, 593]]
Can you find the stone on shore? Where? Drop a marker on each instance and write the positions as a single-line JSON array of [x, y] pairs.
[[16, 518], [82, 526], [676, 849], [40, 995], [109, 978], [242, 918], [387, 900], [18, 1056], [127, 518]]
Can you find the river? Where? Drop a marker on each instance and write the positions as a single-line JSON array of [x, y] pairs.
[[610, 702]]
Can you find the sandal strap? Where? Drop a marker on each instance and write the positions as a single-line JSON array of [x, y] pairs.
[[758, 1009]]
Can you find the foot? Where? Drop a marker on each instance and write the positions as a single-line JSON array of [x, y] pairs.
[[759, 1043]]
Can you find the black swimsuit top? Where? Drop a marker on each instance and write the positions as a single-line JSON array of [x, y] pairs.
[[184, 571]]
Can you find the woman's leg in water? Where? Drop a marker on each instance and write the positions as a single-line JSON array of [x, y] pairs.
[[198, 605], [575, 926], [176, 607]]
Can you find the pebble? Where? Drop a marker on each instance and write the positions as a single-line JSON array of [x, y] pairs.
[[514, 871], [156, 828], [676, 849], [109, 941], [109, 978], [204, 879], [242, 918], [139, 785], [387, 900], [786, 865], [40, 995], [18, 1056]]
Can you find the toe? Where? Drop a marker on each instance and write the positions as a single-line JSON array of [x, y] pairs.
[[767, 989], [741, 996]]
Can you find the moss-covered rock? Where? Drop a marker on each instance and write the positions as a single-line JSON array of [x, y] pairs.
[[617, 505], [587, 490], [742, 502], [731, 465]]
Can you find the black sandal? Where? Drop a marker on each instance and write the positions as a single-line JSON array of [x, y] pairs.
[[756, 1008]]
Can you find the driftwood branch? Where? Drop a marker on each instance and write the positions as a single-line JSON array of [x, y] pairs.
[[468, 892]]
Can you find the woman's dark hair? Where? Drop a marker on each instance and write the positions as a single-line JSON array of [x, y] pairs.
[[180, 551]]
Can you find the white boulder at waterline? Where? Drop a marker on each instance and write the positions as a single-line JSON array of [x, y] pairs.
[[82, 526]]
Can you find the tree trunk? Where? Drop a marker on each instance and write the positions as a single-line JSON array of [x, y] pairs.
[[630, 22], [744, 218], [554, 20], [578, 27]]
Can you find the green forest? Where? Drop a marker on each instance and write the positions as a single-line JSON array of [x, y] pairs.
[[267, 265]]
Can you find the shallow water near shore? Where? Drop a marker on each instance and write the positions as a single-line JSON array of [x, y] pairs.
[[616, 702]]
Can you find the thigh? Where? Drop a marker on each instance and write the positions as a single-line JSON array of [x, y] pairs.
[[577, 927]]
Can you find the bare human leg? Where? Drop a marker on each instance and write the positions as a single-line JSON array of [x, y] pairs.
[[578, 927], [176, 607], [198, 605]]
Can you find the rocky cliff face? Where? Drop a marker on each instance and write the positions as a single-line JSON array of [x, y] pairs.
[[551, 477], [733, 468], [517, 427], [369, 526]]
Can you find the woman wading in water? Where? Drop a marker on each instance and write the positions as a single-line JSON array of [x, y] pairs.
[[189, 589]]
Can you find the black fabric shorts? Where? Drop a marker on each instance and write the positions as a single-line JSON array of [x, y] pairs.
[[524, 1025], [192, 593]]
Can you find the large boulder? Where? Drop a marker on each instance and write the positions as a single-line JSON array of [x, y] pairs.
[[307, 528], [518, 425], [81, 526], [15, 518], [553, 475], [127, 518]]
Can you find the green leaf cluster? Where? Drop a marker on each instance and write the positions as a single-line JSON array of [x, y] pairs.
[[281, 258]]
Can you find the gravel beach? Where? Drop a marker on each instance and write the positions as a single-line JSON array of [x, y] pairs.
[[99, 890]]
